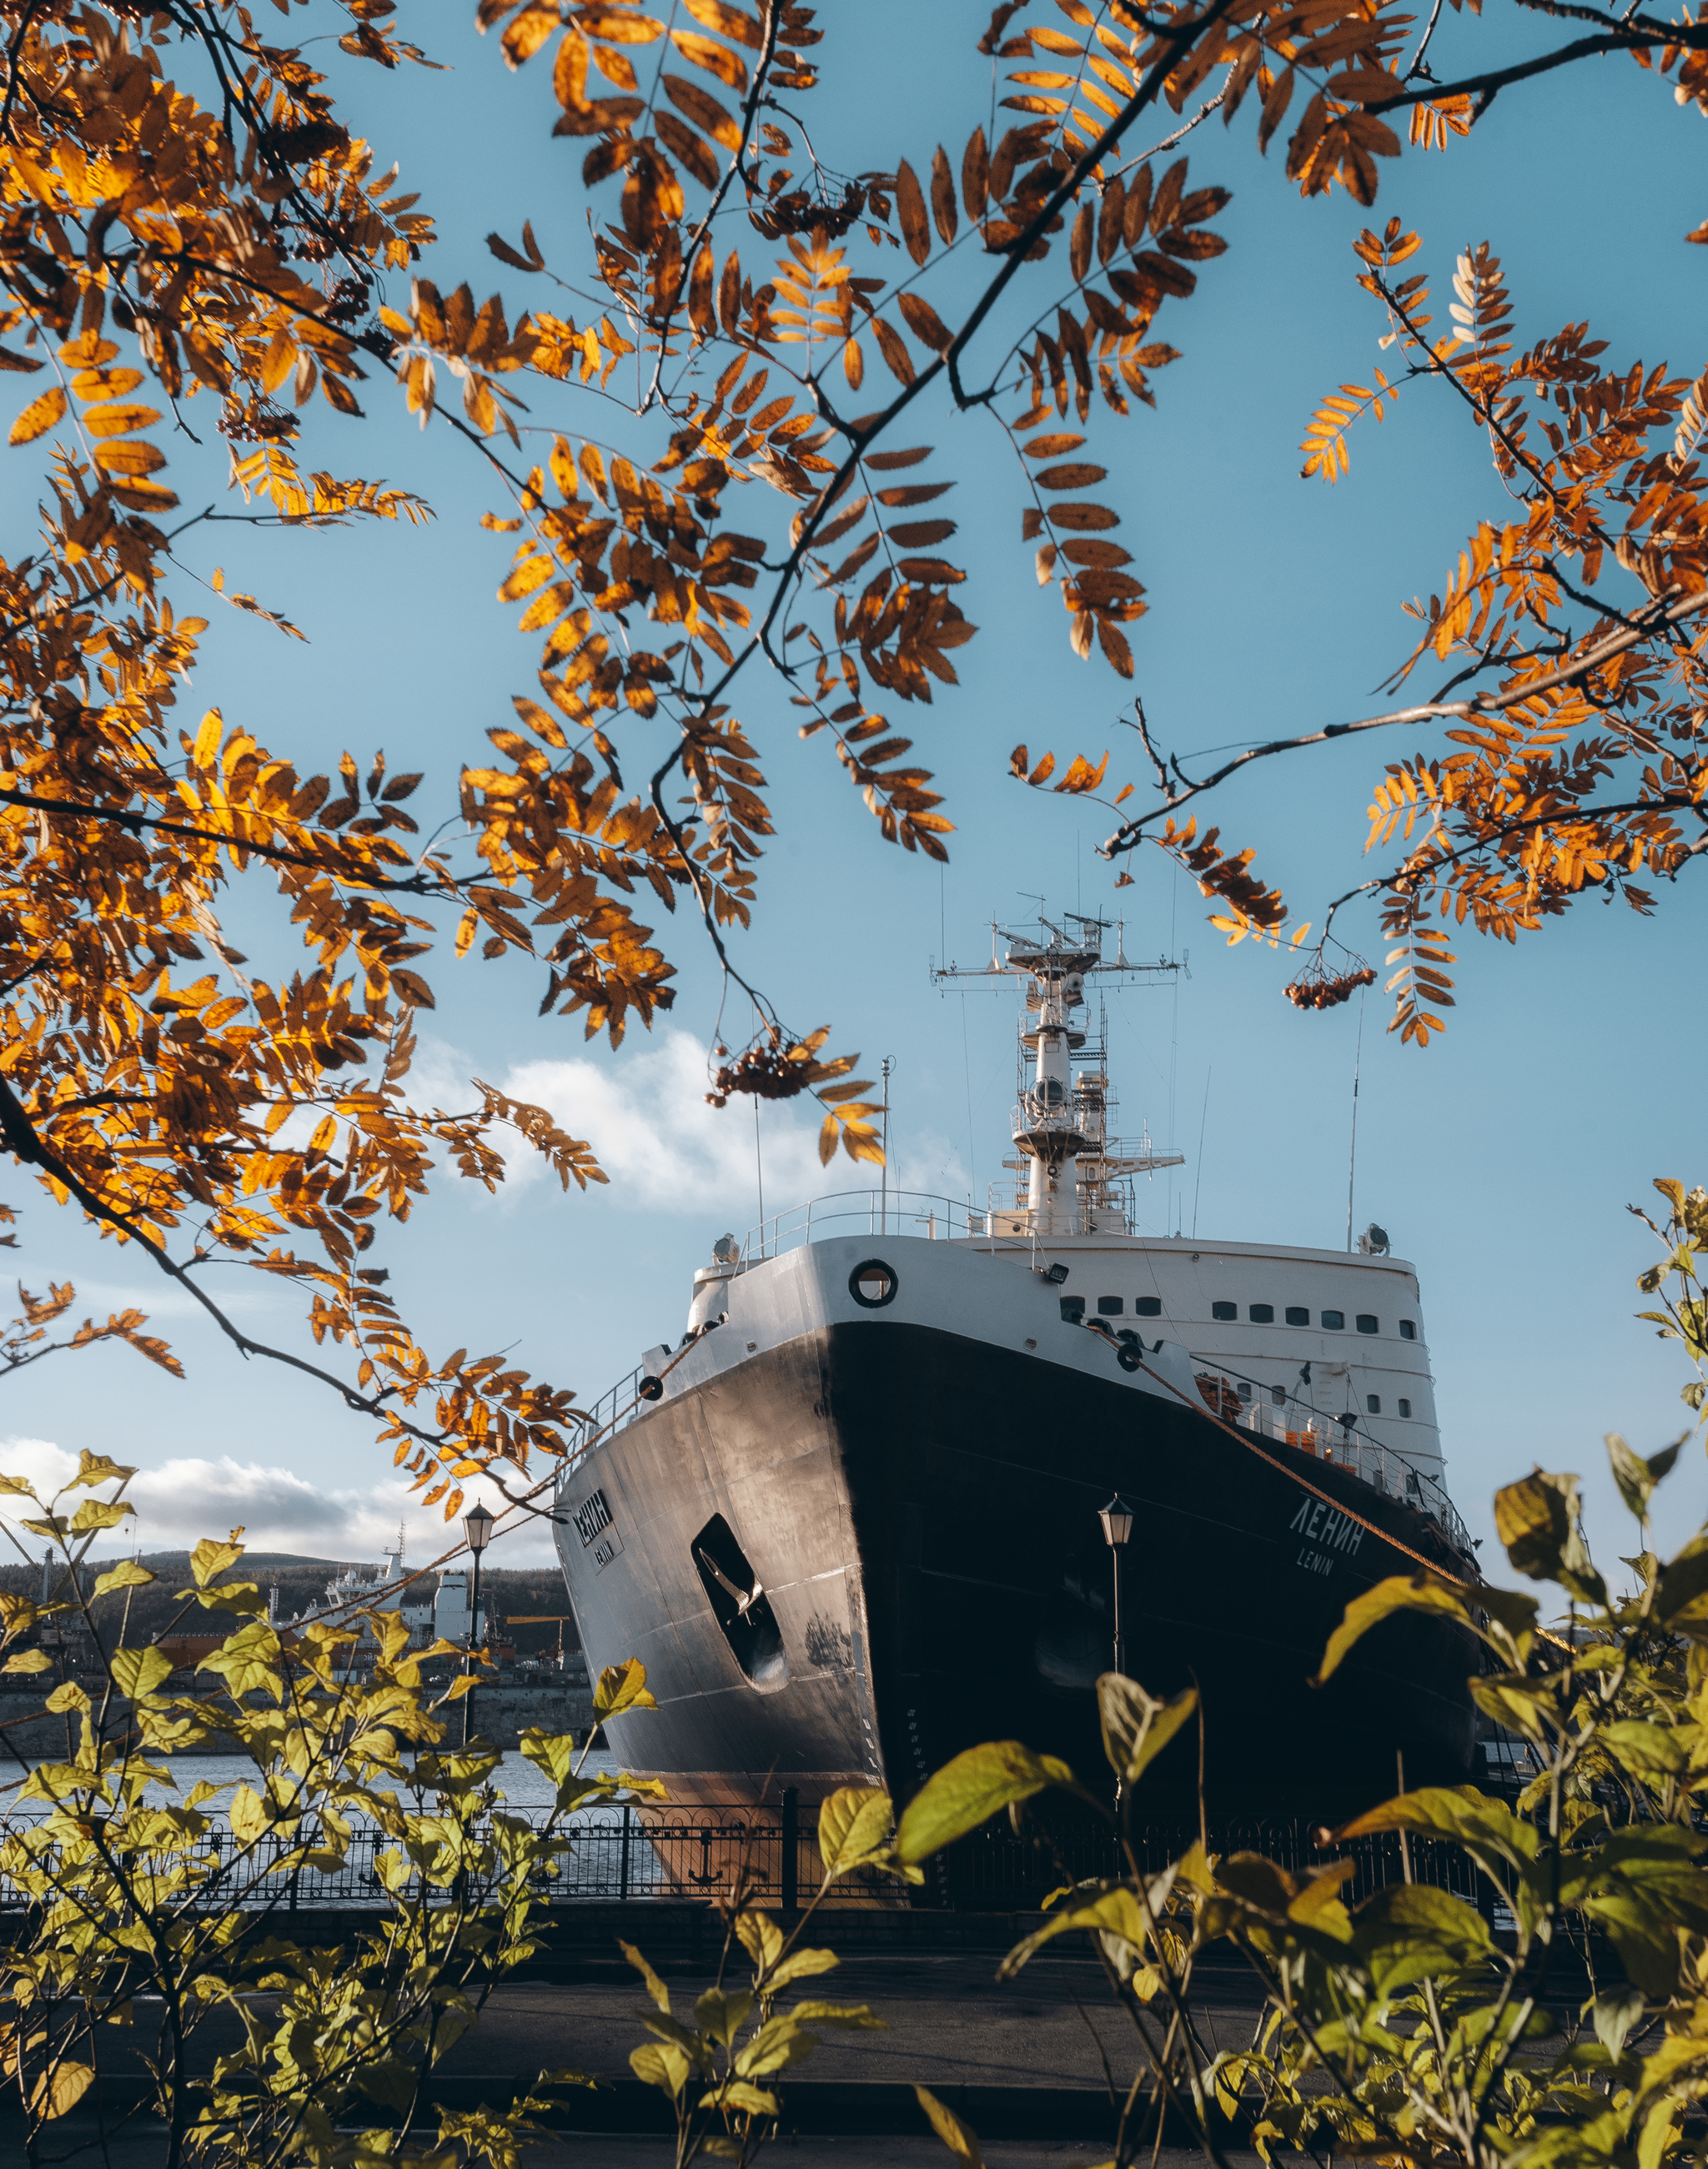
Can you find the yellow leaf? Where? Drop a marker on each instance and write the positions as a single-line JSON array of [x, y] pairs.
[[38, 417], [114, 419]]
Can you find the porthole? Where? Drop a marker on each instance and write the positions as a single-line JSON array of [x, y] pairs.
[[1262, 1313], [1405, 1407], [1245, 1389], [1408, 1331], [1147, 1306], [874, 1284], [1297, 1314], [1109, 1306], [1373, 1402], [1277, 1395], [1366, 1323], [1073, 1308], [1334, 1321], [1224, 1310]]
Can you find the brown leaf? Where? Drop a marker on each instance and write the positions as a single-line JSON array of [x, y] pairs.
[[910, 208], [1075, 474], [924, 322], [1079, 516], [703, 110], [696, 156], [1050, 446], [894, 348], [975, 174], [918, 492], [618, 30], [944, 210], [921, 534], [931, 572], [1096, 553]]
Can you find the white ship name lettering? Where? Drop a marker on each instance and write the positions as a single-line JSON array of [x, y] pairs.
[[1320, 1522], [590, 1517]]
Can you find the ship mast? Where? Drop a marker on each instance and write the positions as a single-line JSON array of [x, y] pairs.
[[1060, 1122]]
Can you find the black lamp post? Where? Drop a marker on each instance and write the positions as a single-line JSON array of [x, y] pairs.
[[476, 1530], [1117, 1518]]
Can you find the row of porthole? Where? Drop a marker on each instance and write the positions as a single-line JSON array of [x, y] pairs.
[[1258, 1314], [1278, 1394]]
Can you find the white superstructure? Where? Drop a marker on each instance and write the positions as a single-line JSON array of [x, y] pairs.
[[1321, 1350]]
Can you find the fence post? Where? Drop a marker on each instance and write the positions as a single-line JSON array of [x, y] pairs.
[[622, 1867], [790, 1878]]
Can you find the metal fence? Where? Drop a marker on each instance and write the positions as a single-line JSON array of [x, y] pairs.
[[630, 1853]]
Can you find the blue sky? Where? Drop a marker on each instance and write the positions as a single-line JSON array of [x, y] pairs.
[[1501, 1160]]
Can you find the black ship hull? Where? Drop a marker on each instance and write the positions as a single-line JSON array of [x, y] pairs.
[[918, 1505]]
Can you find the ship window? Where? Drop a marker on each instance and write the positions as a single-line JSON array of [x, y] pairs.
[[1408, 1331], [1073, 1308], [1405, 1407], [1373, 1402], [1296, 1315], [1278, 1394], [1262, 1313], [1147, 1306], [1334, 1321], [1224, 1310], [1109, 1306], [740, 1607], [1245, 1389], [1366, 1323]]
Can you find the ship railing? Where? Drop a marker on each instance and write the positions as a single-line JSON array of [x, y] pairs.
[[873, 1213], [1378, 1465]]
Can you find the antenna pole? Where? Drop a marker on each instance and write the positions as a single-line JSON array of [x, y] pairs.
[[884, 1182], [1353, 1156], [1203, 1119]]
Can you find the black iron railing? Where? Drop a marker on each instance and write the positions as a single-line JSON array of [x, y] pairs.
[[631, 1853]]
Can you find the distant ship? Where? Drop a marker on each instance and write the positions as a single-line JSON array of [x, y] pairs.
[[851, 1522]]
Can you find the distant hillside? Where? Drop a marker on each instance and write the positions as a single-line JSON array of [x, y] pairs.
[[301, 1583]]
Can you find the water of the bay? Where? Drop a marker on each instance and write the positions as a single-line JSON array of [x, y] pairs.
[[522, 1785]]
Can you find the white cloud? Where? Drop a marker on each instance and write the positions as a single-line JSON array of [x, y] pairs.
[[188, 1498], [645, 1115]]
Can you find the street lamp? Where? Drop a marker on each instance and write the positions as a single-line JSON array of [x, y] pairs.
[[476, 1531], [1117, 1518]]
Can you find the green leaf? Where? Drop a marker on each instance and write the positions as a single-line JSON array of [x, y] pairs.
[[662, 2065], [1615, 2014], [138, 1672], [208, 1560], [622, 1686], [847, 2017], [737, 2094], [1684, 1580], [1411, 1931], [761, 1937], [1115, 1912], [247, 1660], [1637, 1478], [60, 2090], [1136, 1726], [854, 1823], [776, 2045], [959, 2138], [1536, 1519], [99, 1514], [553, 1752], [978, 1784], [799, 1965], [1400, 1592], [656, 1988], [127, 1574], [1648, 1749], [721, 2013], [97, 1468], [1488, 1831]]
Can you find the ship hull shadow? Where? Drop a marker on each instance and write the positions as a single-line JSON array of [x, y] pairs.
[[922, 1526]]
